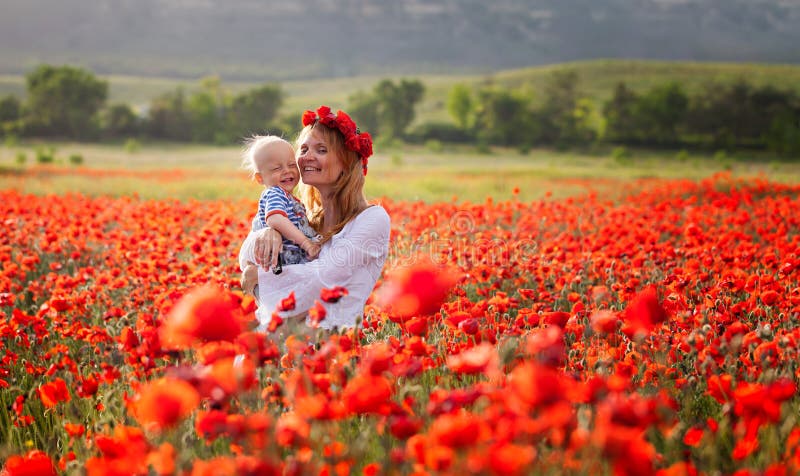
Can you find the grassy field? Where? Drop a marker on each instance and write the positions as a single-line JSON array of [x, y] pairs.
[[403, 173], [597, 80]]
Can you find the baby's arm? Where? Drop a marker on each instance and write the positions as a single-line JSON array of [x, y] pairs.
[[286, 228]]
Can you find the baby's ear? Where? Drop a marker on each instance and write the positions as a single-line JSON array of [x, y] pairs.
[[259, 178]]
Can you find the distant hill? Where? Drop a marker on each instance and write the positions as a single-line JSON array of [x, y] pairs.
[[260, 40]]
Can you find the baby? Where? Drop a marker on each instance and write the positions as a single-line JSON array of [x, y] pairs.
[[271, 162]]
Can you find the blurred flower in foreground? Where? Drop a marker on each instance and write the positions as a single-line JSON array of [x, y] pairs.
[[35, 462], [164, 403], [204, 314], [53, 392], [416, 290], [643, 314]]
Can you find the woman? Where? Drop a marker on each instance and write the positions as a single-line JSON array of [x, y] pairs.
[[332, 157]]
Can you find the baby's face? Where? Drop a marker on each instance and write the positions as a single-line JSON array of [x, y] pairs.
[[277, 166]]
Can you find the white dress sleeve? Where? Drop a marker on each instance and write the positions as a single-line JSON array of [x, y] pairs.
[[247, 251], [352, 258]]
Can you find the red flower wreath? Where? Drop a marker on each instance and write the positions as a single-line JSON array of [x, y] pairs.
[[355, 140]]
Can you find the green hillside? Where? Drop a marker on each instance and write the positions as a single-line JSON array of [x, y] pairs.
[[597, 80]]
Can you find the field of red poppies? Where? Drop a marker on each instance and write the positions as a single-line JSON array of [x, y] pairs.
[[654, 334]]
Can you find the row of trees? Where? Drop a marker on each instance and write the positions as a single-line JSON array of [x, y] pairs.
[[68, 102], [719, 116]]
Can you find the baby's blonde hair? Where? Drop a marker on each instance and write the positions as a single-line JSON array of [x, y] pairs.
[[252, 146]]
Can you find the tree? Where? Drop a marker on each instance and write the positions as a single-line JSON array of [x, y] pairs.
[[461, 105], [396, 104], [207, 109], [64, 100], [254, 110], [10, 108], [119, 120], [620, 115], [661, 113], [563, 117], [731, 115], [363, 108], [169, 118], [504, 117]]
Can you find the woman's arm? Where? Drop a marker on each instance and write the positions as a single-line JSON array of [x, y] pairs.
[[250, 279]]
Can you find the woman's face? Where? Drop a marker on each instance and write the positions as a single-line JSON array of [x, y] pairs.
[[319, 165]]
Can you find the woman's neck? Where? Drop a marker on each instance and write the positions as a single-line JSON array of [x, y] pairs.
[[332, 215]]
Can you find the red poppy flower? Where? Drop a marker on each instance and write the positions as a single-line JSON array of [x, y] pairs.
[[74, 429], [53, 392], [333, 295], [204, 314], [456, 430], [474, 360], [34, 463], [417, 290], [511, 459], [367, 394], [164, 403], [556, 318], [643, 314], [316, 314], [288, 303], [604, 321], [769, 297]]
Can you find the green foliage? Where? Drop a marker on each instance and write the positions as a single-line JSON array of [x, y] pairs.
[[21, 158], [564, 117], [620, 153], [10, 108], [441, 131], [169, 117], [723, 159], [45, 155], [682, 155], [504, 117], [398, 103], [783, 136], [661, 112], [621, 156], [728, 113], [363, 108], [620, 115], [75, 159], [482, 147], [119, 120], [389, 109], [461, 105], [254, 110], [434, 145], [388, 143], [63, 101], [132, 146], [205, 116]]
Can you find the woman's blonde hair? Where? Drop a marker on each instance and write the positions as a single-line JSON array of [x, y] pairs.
[[348, 190]]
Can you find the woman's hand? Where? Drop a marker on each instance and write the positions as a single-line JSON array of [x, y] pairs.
[[268, 245], [250, 279]]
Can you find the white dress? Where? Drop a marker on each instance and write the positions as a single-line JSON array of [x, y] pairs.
[[352, 258]]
